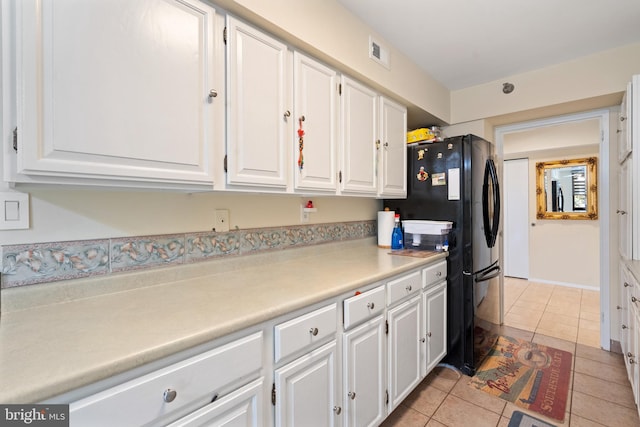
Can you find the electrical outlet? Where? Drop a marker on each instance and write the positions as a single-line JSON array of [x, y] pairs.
[[222, 220], [304, 214]]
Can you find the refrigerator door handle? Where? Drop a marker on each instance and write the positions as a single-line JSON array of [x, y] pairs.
[[488, 274], [490, 224]]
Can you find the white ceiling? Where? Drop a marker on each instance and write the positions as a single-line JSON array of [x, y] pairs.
[[462, 43]]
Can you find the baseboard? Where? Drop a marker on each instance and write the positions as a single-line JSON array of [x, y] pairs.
[[568, 285]]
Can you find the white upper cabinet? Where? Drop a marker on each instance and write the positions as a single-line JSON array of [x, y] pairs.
[[259, 116], [316, 113], [624, 124], [117, 92], [359, 148], [393, 150]]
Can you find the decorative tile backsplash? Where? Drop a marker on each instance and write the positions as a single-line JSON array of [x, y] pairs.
[[49, 262]]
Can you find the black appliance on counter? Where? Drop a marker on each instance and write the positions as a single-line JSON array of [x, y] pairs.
[[456, 180]]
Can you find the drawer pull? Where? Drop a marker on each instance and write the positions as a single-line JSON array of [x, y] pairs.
[[337, 410], [408, 288], [169, 395], [634, 299], [429, 334], [629, 354], [370, 305], [631, 361], [313, 331], [624, 326], [352, 395], [626, 285], [439, 274], [423, 340]]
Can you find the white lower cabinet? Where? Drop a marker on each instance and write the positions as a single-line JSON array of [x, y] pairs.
[[434, 302], [630, 323], [405, 348], [175, 391], [242, 408], [306, 390], [364, 374]]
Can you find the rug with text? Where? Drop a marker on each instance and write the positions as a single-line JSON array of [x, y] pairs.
[[532, 376]]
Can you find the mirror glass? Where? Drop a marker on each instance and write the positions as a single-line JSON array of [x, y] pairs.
[[567, 189]]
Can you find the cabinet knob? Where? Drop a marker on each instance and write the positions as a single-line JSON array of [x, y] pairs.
[[386, 144], [423, 340], [626, 285], [623, 118], [429, 334], [313, 331], [378, 144], [621, 212], [629, 354], [634, 299], [408, 288], [439, 274], [337, 410], [169, 395], [302, 118], [287, 114], [370, 305], [212, 94], [624, 326], [352, 395], [631, 361]]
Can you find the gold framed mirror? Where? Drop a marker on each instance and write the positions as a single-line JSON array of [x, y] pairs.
[[567, 189]]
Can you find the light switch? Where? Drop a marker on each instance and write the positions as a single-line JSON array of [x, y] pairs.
[[14, 211], [11, 210]]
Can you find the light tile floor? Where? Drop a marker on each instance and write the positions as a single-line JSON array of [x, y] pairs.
[[599, 391]]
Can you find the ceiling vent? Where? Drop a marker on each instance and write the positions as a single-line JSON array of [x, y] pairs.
[[379, 53]]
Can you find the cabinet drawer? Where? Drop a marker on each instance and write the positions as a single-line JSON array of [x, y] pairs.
[[364, 306], [434, 273], [404, 286], [143, 400], [305, 332]]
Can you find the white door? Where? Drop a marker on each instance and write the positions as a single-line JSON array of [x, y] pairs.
[[316, 113], [364, 374], [624, 208], [393, 150], [435, 314], [306, 390], [516, 218], [130, 106], [359, 138], [259, 117], [405, 345]]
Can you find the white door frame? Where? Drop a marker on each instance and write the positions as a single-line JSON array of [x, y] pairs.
[[516, 197], [603, 199]]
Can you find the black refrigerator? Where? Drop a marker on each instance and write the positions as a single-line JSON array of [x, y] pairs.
[[456, 180]]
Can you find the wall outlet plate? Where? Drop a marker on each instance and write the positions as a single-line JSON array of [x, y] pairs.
[[14, 211], [222, 220]]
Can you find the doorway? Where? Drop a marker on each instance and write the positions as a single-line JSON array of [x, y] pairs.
[[602, 118], [516, 216]]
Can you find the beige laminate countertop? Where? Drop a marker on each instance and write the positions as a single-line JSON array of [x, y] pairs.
[[57, 337]]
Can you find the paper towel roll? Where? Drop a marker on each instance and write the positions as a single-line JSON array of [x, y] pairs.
[[386, 221]]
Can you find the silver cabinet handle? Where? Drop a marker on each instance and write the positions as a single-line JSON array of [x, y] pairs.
[[287, 114], [439, 273], [631, 361], [621, 212], [623, 118], [313, 331], [386, 144], [423, 340], [629, 354], [370, 305], [337, 410], [352, 394], [408, 288], [626, 285], [429, 334], [169, 395], [634, 299], [624, 326]]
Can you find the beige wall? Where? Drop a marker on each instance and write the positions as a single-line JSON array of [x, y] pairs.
[[579, 85], [60, 214], [560, 251]]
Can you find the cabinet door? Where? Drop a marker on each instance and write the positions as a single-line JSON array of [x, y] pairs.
[[243, 407], [393, 152], [316, 112], [435, 313], [116, 90], [259, 121], [405, 342], [624, 209], [359, 138], [306, 390], [624, 125], [364, 374]]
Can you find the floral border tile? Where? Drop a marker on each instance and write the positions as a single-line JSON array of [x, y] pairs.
[[48, 262], [139, 252]]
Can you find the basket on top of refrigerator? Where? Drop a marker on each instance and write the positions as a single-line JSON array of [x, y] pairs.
[[427, 235]]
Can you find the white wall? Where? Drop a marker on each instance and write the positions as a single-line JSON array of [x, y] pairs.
[[561, 251]]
